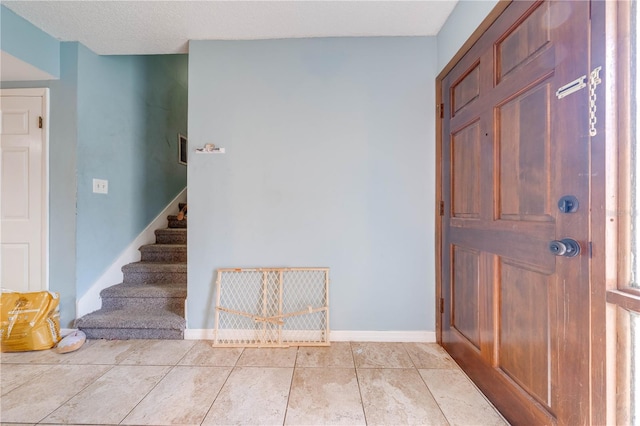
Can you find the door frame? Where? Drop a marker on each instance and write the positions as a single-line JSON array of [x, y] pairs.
[[603, 228], [41, 92], [611, 177]]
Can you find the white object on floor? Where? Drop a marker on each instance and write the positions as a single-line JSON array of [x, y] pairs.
[[72, 342]]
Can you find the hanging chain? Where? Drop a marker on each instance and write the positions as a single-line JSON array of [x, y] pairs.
[[594, 80]]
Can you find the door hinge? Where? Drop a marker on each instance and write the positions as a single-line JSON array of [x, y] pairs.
[[440, 110], [441, 305], [441, 208], [590, 249], [39, 122]]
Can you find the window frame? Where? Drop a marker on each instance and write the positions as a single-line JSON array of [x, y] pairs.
[[611, 216]]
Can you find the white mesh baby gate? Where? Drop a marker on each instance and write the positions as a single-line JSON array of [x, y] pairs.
[[272, 307]]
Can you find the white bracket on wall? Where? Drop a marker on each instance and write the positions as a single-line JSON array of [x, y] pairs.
[[210, 149], [216, 151]]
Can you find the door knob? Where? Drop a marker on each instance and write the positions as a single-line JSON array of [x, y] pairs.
[[567, 247]]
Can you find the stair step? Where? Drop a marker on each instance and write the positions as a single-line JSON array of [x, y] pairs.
[[171, 236], [146, 290], [154, 272], [132, 324], [169, 253], [144, 297], [175, 223], [150, 303]]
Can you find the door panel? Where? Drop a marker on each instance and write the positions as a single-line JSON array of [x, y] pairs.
[[465, 284], [465, 169], [466, 90], [524, 331], [525, 39], [524, 151], [22, 248], [15, 179], [515, 316]]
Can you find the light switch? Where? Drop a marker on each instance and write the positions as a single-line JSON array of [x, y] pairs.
[[100, 186]]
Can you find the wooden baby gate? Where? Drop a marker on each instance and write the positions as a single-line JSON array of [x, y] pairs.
[[272, 307]]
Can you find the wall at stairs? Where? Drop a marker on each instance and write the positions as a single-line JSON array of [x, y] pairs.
[[115, 118], [130, 111], [90, 301]]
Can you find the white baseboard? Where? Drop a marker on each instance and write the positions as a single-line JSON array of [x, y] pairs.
[[90, 301], [342, 335], [198, 334], [422, 336]]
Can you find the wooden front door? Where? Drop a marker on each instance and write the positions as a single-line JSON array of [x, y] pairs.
[[516, 316]]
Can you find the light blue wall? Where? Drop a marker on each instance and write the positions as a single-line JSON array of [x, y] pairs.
[[130, 111], [23, 40], [463, 21], [330, 162], [116, 118], [62, 179]]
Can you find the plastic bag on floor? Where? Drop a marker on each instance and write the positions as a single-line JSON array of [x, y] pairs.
[[29, 321]]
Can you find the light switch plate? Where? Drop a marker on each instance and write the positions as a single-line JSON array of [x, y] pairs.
[[100, 186]]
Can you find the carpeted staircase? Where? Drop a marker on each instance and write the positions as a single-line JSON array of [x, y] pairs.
[[149, 304]]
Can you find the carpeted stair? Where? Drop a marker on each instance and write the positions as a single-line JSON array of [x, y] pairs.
[[149, 304]]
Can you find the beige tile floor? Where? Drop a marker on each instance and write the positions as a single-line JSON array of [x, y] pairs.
[[151, 382]]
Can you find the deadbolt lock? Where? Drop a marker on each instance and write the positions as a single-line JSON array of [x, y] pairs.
[[568, 204]]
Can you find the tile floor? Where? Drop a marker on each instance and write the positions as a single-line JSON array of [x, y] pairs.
[[151, 382]]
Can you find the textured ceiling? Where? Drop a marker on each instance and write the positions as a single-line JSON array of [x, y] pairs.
[[156, 27]]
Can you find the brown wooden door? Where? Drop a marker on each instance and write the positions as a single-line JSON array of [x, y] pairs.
[[516, 317]]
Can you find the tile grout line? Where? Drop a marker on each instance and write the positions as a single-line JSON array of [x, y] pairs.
[[482, 394], [293, 374], [431, 393], [404, 346], [193, 345], [150, 390], [24, 383], [355, 368], [77, 393], [233, 367]]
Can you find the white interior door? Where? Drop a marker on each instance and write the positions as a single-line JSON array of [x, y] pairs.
[[23, 189]]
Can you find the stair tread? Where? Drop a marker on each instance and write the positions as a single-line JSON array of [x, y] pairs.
[[151, 290], [174, 223], [149, 304], [156, 266], [157, 246], [172, 236], [132, 319]]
